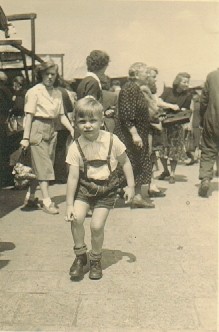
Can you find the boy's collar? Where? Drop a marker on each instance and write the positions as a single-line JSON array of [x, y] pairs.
[[83, 141]]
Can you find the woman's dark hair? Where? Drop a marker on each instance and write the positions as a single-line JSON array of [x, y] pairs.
[[97, 60], [179, 78], [42, 68]]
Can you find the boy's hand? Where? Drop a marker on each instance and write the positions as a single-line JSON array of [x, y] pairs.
[[70, 214], [129, 194]]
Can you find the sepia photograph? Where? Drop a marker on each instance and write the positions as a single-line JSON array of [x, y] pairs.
[[109, 165]]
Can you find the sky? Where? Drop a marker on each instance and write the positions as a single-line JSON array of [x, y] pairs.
[[173, 36]]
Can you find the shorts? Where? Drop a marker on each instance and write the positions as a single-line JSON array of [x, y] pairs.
[[98, 199], [105, 201]]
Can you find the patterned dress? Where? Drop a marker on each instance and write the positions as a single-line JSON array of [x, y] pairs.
[[133, 111], [173, 136]]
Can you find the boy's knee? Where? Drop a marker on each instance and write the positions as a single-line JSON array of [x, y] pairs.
[[78, 221], [97, 229]]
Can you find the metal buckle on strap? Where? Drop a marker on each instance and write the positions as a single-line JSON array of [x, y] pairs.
[[98, 187]]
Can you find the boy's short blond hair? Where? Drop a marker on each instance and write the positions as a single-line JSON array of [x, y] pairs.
[[88, 106]]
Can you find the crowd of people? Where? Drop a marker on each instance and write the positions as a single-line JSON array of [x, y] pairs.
[[106, 139]]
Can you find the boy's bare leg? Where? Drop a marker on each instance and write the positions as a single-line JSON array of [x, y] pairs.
[[78, 233], [97, 237], [97, 229], [77, 226]]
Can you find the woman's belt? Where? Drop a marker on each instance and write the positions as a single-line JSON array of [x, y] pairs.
[[43, 119]]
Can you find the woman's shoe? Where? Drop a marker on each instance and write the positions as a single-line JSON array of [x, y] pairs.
[[50, 209], [141, 203], [172, 180], [153, 193], [163, 175]]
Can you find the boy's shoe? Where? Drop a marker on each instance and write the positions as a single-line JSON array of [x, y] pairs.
[[50, 209], [95, 270], [76, 270], [30, 205], [204, 187], [163, 175]]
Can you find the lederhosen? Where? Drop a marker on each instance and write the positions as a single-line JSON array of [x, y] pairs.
[[97, 188]]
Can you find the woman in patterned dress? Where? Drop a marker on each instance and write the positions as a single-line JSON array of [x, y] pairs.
[[173, 136], [132, 128]]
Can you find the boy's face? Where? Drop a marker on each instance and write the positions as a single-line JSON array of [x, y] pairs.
[[89, 127]]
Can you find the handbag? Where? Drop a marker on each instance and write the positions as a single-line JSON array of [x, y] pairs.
[[176, 118], [23, 173], [14, 123]]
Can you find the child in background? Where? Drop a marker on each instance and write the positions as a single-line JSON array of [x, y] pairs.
[[92, 183]]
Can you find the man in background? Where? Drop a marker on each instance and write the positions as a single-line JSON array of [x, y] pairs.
[[209, 113]]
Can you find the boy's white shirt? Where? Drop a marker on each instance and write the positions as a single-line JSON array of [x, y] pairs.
[[94, 151]]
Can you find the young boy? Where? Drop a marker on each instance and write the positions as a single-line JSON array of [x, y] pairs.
[[92, 183]]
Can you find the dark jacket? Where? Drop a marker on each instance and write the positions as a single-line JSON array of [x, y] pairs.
[[5, 102], [209, 107], [89, 86]]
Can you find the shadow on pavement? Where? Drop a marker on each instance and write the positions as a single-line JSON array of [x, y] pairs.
[[111, 257], [214, 186], [4, 246], [59, 199], [178, 178], [3, 263], [10, 199]]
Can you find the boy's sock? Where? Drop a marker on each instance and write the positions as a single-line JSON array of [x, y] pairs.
[[80, 251], [94, 256]]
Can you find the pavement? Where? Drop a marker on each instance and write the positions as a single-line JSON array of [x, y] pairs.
[[160, 266]]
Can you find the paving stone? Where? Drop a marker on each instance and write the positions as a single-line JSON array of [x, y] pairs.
[[9, 303], [111, 311], [207, 312], [159, 268], [49, 309], [172, 313], [32, 281], [4, 277]]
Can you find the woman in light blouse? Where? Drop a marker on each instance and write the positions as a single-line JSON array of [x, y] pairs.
[[43, 104]]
